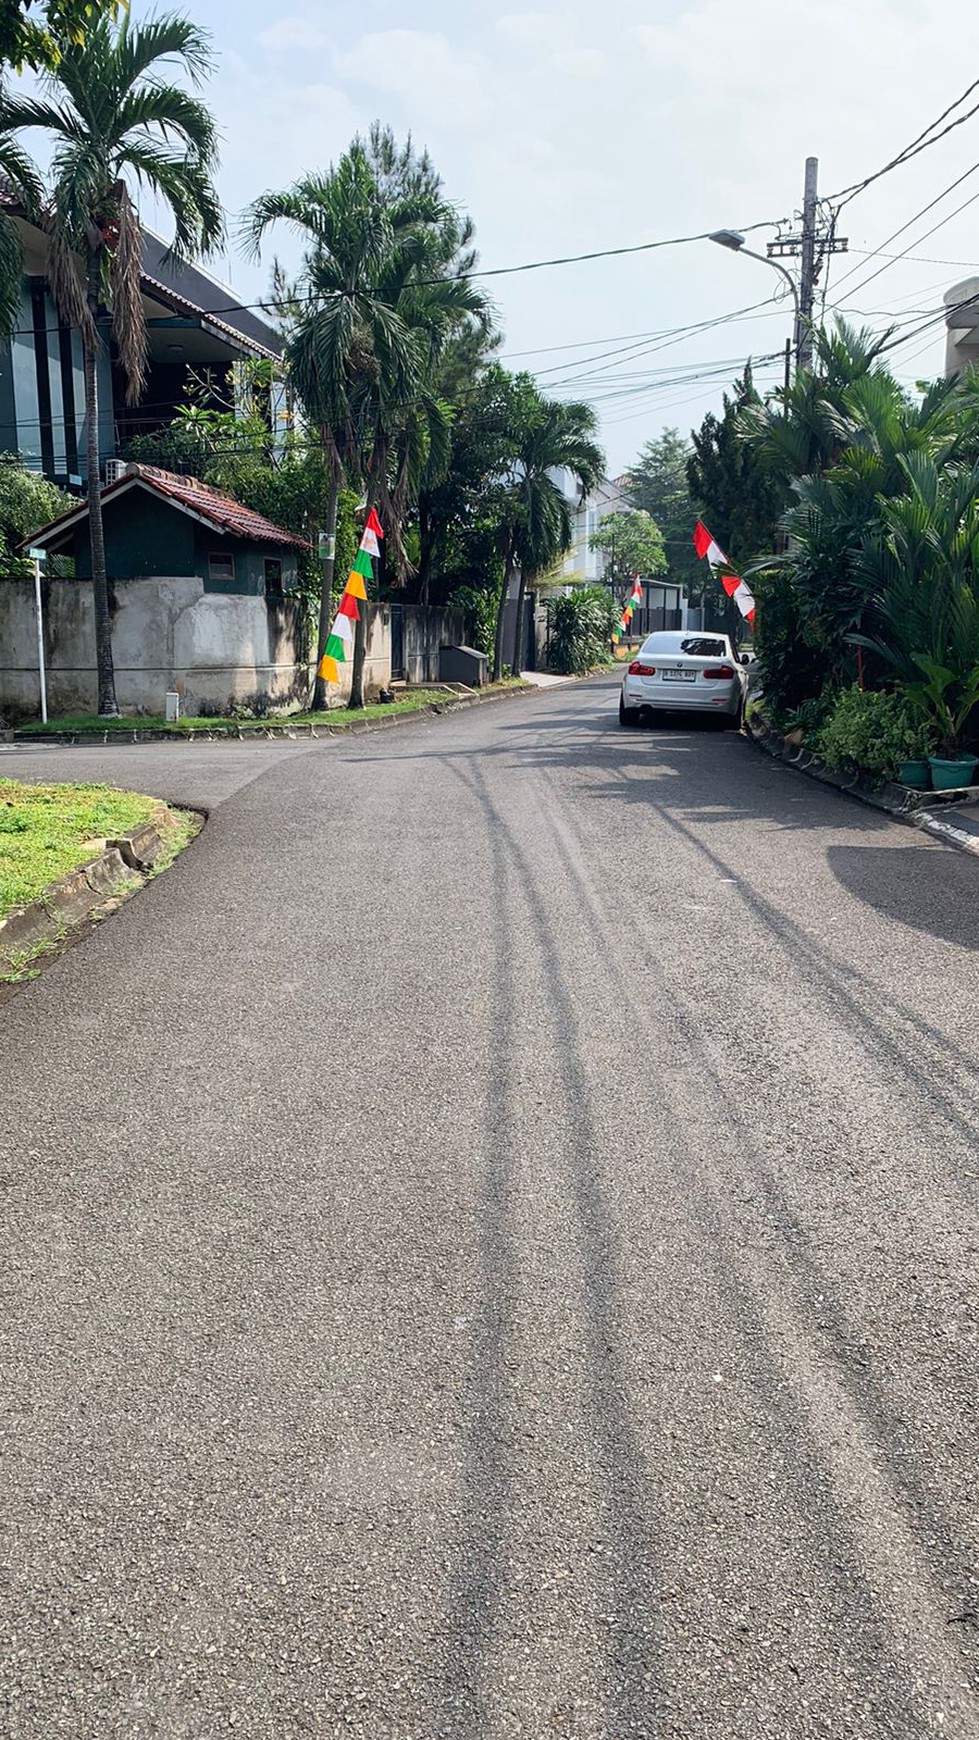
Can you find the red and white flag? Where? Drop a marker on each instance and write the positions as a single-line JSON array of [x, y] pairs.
[[721, 569]]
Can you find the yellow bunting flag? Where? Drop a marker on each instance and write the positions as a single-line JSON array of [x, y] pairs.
[[355, 586]]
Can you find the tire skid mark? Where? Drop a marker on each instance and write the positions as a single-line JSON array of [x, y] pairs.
[[845, 1440]]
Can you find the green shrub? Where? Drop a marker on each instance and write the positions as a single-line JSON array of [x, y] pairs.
[[581, 629], [871, 730]]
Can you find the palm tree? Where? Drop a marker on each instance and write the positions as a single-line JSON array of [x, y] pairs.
[[366, 329], [114, 117], [27, 192], [535, 517]]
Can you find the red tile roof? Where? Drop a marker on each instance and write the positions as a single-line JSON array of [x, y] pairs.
[[211, 504], [197, 498]]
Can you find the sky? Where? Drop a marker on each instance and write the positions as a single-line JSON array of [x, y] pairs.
[[583, 127]]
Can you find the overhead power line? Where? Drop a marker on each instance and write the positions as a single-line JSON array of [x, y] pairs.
[[921, 143], [891, 259]]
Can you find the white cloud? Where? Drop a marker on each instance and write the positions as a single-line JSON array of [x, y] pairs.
[[422, 68], [566, 130], [294, 34]]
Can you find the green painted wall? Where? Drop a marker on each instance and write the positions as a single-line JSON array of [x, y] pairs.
[[142, 536], [145, 536]]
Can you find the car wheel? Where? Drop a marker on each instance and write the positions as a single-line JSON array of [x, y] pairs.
[[627, 715]]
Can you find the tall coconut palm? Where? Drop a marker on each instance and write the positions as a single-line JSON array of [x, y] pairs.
[[535, 516], [364, 335], [116, 118]]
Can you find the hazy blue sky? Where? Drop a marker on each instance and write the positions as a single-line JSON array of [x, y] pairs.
[[600, 125]]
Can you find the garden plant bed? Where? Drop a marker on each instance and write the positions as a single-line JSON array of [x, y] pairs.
[[929, 810]]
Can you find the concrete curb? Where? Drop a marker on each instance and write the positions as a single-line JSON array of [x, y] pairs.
[[276, 730], [78, 895], [894, 800]]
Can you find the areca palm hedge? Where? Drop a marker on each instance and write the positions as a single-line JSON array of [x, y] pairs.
[[118, 120]]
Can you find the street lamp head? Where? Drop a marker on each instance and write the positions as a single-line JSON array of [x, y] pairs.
[[728, 239]]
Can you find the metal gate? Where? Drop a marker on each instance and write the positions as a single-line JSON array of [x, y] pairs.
[[399, 672]]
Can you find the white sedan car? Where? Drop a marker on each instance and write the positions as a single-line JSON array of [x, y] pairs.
[[693, 671]]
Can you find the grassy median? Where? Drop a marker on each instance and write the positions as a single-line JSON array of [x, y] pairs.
[[336, 718], [48, 830]]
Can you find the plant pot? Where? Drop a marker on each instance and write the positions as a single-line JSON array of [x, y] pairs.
[[915, 774], [952, 775]]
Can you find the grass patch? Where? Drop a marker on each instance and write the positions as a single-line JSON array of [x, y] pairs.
[[48, 830], [413, 701]]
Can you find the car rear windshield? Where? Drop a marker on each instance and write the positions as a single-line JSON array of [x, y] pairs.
[[704, 649]]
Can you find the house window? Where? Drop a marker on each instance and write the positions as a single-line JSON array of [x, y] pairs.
[[220, 567], [273, 577]]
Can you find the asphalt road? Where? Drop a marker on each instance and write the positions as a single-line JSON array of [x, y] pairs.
[[491, 1250]]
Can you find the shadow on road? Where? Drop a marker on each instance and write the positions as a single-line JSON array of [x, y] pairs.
[[900, 889]]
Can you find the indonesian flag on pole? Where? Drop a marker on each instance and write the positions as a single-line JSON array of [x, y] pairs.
[[735, 588]]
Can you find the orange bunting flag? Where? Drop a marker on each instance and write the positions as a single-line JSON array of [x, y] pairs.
[[329, 669], [355, 588]]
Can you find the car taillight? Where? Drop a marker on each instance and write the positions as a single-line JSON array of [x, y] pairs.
[[719, 671], [638, 669]]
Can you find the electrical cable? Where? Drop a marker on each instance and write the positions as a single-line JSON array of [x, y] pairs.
[[921, 143], [893, 259]]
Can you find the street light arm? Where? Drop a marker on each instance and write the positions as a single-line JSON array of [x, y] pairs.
[[776, 267]]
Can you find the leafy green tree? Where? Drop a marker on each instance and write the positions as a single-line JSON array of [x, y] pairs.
[[658, 485], [731, 482], [879, 430], [34, 35], [458, 534], [27, 502], [113, 116], [534, 518], [378, 299], [632, 544]]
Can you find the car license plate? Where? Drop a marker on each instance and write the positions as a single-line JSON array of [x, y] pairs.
[[679, 676]]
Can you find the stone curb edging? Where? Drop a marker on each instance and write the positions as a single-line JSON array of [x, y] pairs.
[[893, 799], [78, 895], [276, 730]]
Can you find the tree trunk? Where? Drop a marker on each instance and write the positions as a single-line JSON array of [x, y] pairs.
[[500, 615], [108, 706], [326, 594]]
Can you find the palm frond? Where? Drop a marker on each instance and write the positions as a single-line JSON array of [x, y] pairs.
[[128, 318]]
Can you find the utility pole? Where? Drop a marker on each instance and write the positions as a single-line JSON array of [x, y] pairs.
[[807, 279], [810, 247]]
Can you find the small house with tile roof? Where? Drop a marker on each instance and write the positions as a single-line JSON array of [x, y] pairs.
[[202, 599], [157, 523]]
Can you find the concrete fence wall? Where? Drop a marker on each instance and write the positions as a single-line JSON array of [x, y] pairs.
[[425, 631], [217, 650]]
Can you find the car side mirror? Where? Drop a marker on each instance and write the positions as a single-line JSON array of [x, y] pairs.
[[745, 658]]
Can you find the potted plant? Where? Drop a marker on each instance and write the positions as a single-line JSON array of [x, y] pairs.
[[946, 700], [913, 767]]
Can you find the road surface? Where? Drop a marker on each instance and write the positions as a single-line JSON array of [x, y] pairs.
[[491, 1250]]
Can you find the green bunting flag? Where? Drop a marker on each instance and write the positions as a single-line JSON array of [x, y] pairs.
[[362, 565]]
